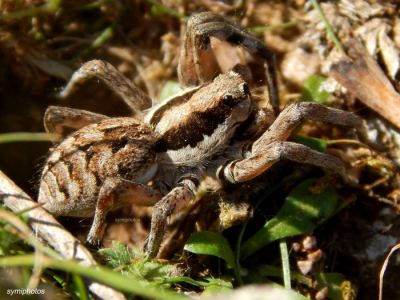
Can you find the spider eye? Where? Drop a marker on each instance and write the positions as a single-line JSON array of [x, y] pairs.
[[229, 100], [245, 88]]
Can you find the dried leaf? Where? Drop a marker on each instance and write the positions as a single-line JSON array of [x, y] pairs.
[[365, 80], [390, 53]]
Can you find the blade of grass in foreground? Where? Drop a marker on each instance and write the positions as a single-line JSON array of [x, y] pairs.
[[121, 282], [13, 137]]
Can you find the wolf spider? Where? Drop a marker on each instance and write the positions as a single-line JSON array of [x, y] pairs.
[[158, 156]]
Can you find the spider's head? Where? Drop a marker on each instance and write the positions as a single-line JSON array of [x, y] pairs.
[[212, 112], [233, 93]]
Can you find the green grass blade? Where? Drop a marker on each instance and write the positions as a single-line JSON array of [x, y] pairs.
[[158, 9], [106, 35], [314, 143], [13, 137], [109, 277], [80, 287], [271, 28], [329, 30], [285, 264], [51, 6]]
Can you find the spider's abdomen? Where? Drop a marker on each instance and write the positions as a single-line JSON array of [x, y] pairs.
[[77, 168]]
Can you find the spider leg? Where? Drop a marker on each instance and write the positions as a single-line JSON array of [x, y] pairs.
[[249, 168], [136, 99], [296, 113], [195, 66], [58, 118], [176, 198], [272, 147], [113, 193]]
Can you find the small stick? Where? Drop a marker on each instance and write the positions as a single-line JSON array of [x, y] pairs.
[[47, 227]]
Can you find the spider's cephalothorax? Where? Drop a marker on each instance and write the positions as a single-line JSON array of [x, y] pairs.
[[159, 157]]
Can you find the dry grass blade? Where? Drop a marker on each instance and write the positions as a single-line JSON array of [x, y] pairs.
[[383, 269], [50, 230], [365, 80]]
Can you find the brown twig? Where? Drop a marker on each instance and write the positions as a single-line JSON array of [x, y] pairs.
[[47, 227]]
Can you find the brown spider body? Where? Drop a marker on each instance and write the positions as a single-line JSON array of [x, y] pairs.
[[77, 168], [159, 157]]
